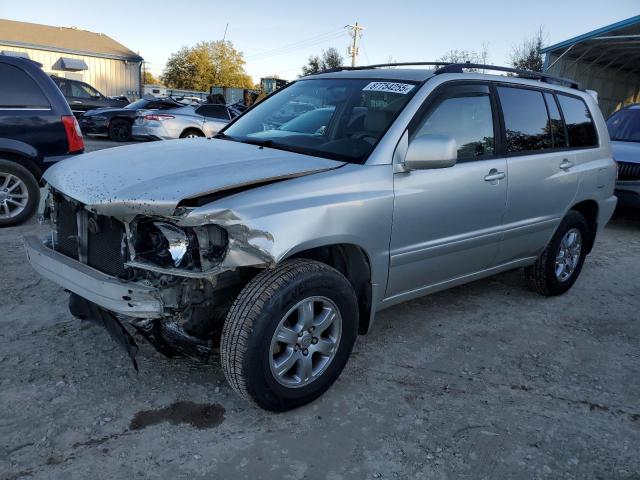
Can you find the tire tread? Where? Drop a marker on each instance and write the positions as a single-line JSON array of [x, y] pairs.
[[245, 310]]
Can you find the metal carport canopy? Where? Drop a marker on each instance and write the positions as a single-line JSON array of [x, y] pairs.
[[606, 60]]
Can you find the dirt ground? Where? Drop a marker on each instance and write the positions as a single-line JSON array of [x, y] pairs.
[[484, 381]]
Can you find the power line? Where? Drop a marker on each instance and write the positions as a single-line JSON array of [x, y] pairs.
[[311, 41]]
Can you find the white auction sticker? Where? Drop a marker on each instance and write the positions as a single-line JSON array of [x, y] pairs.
[[391, 87]]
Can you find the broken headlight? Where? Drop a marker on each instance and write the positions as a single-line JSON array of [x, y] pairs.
[[169, 246], [177, 241]]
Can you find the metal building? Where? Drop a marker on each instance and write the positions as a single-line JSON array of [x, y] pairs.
[[78, 54], [606, 60]]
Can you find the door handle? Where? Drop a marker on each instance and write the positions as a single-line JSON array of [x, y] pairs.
[[494, 175], [565, 164]]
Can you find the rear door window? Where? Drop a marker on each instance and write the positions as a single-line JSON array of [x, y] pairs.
[[526, 121], [19, 90], [580, 127], [213, 111]]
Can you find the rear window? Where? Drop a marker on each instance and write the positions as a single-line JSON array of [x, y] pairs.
[[526, 120], [580, 127], [19, 90]]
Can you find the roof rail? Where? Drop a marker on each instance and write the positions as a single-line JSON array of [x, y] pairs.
[[383, 65], [522, 73]]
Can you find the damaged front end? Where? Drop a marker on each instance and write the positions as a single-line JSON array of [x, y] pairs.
[[173, 284]]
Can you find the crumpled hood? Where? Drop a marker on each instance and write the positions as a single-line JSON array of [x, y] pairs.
[[153, 178], [626, 151]]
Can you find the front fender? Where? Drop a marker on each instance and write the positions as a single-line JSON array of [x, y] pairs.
[[352, 204]]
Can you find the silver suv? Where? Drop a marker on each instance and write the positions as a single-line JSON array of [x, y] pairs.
[[279, 245]]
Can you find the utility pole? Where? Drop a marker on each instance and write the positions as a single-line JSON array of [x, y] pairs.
[[354, 48]]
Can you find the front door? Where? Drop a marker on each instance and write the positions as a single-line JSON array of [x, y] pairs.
[[447, 222]]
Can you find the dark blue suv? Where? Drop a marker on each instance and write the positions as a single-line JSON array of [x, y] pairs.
[[37, 129]]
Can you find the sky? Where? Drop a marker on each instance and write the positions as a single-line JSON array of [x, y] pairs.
[[278, 37]]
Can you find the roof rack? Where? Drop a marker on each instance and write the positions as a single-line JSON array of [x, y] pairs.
[[383, 65], [449, 67], [522, 73]]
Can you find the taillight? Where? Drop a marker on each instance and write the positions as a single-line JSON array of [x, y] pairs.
[[158, 116], [74, 135]]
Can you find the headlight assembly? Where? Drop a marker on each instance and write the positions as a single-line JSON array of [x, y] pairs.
[[177, 240], [169, 246]]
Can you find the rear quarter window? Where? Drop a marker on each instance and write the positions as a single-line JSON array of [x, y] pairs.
[[580, 127], [19, 90]]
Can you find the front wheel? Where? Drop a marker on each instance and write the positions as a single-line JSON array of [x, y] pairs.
[[559, 265], [289, 334]]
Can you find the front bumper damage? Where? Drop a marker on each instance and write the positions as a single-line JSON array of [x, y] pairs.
[[108, 292], [106, 300]]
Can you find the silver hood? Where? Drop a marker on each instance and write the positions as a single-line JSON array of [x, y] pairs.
[[626, 151], [153, 178]]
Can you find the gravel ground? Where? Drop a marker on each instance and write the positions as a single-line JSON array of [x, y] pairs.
[[487, 380]]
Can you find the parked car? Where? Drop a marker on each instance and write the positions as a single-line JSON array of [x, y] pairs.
[[189, 121], [290, 244], [288, 112], [37, 129], [83, 97], [117, 122], [624, 130]]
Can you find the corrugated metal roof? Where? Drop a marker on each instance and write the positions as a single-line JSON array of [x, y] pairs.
[[617, 27], [63, 39]]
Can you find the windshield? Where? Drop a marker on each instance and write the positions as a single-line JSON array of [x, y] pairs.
[[624, 125], [142, 103], [333, 118]]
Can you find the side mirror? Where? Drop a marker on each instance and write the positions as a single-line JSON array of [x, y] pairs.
[[431, 151]]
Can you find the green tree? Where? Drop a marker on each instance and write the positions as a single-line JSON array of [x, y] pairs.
[[466, 56], [205, 65], [528, 54], [329, 59], [149, 79]]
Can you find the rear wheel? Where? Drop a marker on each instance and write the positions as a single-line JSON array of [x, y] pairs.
[[120, 130], [192, 134], [289, 334], [560, 264], [19, 193]]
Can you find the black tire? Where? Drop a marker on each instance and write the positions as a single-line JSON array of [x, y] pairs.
[[32, 189], [541, 276], [120, 130], [254, 317], [191, 132]]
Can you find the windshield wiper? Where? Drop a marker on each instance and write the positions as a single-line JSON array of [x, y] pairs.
[[224, 136], [261, 142]]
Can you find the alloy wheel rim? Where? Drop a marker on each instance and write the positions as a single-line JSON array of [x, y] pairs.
[[121, 131], [305, 342], [568, 255], [14, 195]]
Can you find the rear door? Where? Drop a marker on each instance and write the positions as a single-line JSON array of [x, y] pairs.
[[447, 222], [26, 114], [215, 118], [543, 179]]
